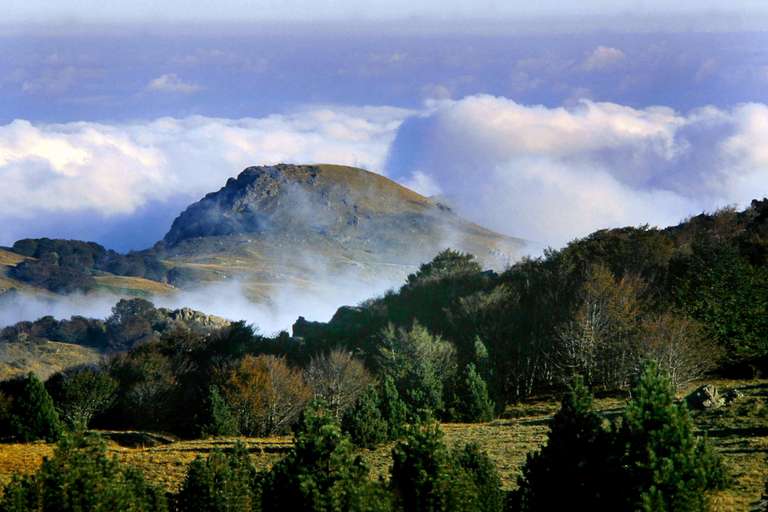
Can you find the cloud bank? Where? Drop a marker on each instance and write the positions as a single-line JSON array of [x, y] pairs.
[[83, 169], [552, 174]]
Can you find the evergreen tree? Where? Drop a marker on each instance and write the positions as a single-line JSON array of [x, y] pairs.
[[364, 422], [80, 477], [483, 474], [223, 482], [473, 403], [30, 414], [221, 421], [573, 468], [80, 394], [393, 409], [321, 473], [668, 467]]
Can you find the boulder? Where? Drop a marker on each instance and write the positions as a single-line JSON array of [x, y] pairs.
[[705, 397]]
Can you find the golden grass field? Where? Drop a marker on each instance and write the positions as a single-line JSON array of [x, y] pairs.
[[739, 432]]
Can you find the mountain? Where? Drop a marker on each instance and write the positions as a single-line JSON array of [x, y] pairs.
[[307, 225]]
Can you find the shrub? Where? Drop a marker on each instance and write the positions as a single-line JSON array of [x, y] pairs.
[[81, 477], [223, 482]]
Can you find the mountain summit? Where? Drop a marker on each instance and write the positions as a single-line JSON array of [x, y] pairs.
[[290, 223]]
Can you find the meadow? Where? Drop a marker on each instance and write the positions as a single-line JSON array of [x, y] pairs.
[[739, 432]]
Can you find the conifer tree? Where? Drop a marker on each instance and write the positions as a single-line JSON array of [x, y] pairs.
[[473, 403], [32, 413], [364, 422], [221, 421], [393, 409]]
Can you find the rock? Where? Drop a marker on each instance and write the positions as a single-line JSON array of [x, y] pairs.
[[732, 395], [705, 397]]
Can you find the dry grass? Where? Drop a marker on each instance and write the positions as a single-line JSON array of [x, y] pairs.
[[133, 285], [43, 358], [739, 432], [10, 259]]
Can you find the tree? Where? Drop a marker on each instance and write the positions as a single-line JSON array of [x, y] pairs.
[[221, 421], [322, 472], [393, 410], [265, 394], [222, 482], [575, 465], [81, 477], [80, 393], [472, 401], [364, 422], [427, 477], [29, 411], [338, 379], [668, 467]]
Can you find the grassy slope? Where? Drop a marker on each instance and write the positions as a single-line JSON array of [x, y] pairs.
[[740, 433], [44, 358]]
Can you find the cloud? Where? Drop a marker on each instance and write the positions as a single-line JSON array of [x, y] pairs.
[[603, 57], [96, 170], [170, 82], [552, 174]]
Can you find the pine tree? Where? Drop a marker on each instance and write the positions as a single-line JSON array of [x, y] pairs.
[[483, 474], [223, 482], [474, 404], [322, 472], [33, 415], [221, 421], [364, 422], [669, 468], [573, 468], [393, 409], [81, 477]]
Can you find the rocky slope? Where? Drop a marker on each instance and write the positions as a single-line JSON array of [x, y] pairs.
[[297, 225]]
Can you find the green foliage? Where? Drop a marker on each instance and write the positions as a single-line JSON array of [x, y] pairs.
[[393, 409], [669, 468], [80, 477], [472, 400], [364, 422], [427, 477], [29, 413], [650, 461], [221, 421], [81, 393], [322, 472], [575, 465], [222, 482]]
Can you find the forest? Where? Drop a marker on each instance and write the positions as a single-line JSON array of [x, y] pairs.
[[631, 312]]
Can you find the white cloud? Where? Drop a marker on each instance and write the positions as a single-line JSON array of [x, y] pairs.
[[115, 169], [551, 174], [603, 57], [170, 82]]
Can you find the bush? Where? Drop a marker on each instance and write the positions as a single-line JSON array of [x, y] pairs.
[[322, 472], [364, 422], [29, 413], [81, 393], [80, 477], [223, 482]]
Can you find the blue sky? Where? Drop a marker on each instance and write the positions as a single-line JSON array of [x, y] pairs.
[[539, 122]]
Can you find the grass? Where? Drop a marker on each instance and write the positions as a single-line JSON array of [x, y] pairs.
[[738, 431], [43, 358]]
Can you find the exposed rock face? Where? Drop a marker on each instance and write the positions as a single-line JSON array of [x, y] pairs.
[[286, 224]]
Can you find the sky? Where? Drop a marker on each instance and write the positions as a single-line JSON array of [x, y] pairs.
[[535, 120]]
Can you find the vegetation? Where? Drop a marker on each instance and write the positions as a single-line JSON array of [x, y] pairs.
[[27, 412]]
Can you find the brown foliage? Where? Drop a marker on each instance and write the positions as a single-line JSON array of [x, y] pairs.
[[265, 394]]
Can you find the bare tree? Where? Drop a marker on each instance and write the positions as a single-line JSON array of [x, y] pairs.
[[337, 378]]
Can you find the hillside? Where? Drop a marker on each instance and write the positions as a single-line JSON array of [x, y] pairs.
[[307, 225]]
